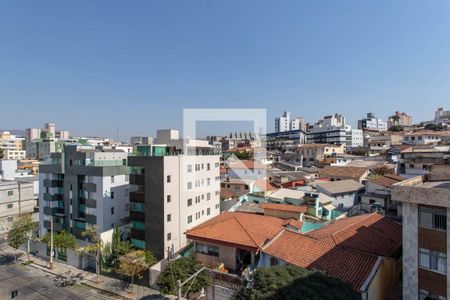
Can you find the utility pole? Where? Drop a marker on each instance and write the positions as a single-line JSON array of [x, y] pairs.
[[180, 284], [51, 242]]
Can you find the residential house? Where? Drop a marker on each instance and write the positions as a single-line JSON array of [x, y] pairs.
[[311, 154], [415, 161], [378, 192], [345, 193], [334, 173]]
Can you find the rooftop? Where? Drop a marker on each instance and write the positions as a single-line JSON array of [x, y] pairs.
[[284, 207], [435, 185], [340, 186], [281, 194], [387, 180], [348, 172]]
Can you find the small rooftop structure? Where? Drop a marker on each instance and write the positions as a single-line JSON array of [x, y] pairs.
[[340, 187]]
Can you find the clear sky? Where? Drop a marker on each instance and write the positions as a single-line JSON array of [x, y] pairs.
[[92, 65]]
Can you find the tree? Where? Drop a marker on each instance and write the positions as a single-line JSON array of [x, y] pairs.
[[182, 269], [112, 251], [396, 128], [21, 232], [134, 263], [94, 247], [62, 240], [291, 282], [434, 127]]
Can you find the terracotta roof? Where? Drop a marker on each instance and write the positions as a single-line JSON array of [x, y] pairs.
[[345, 172], [387, 180], [306, 252], [369, 233], [284, 207], [225, 194], [236, 229], [265, 185], [246, 164]]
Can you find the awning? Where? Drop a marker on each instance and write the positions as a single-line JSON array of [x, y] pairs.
[[329, 207]]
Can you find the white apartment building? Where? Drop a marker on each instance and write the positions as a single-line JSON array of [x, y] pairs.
[[372, 123], [13, 146], [332, 129], [288, 123], [169, 195]]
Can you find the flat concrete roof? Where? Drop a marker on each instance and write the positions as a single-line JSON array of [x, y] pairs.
[[435, 185]]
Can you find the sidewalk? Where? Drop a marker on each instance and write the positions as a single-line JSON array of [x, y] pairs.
[[107, 284]]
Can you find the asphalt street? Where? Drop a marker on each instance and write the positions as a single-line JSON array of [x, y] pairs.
[[32, 283]]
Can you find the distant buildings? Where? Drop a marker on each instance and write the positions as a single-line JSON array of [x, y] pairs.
[[426, 239], [400, 119], [175, 186], [333, 129], [141, 140], [84, 186], [41, 143], [372, 123], [13, 146], [442, 116], [289, 123], [312, 154]]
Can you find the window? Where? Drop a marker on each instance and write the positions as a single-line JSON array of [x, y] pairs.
[[189, 219], [138, 243], [208, 166], [137, 225], [208, 196], [169, 217], [169, 236], [112, 211], [9, 206], [168, 178], [189, 185], [433, 218], [135, 206], [433, 260], [207, 249], [127, 192], [169, 198], [10, 193], [189, 202], [208, 181], [208, 211], [216, 164], [189, 168], [112, 179], [273, 261], [112, 195]]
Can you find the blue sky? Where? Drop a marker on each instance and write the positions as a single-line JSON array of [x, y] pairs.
[[92, 65]]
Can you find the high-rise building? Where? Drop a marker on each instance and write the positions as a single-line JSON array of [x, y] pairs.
[[288, 123], [84, 186], [333, 129], [171, 193], [425, 210], [372, 123], [51, 128], [442, 116], [13, 146], [399, 119], [141, 140], [62, 135]]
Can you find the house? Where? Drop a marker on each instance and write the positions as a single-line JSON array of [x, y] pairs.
[[378, 192], [364, 251], [311, 154], [345, 193], [234, 239], [415, 161], [335, 173], [289, 179], [246, 169], [425, 137], [284, 211]]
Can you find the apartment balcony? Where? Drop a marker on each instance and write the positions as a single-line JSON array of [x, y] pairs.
[[51, 183], [91, 203], [56, 226], [54, 197], [138, 234], [91, 219], [137, 179], [137, 216], [89, 187], [137, 197]]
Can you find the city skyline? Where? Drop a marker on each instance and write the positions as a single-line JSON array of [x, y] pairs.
[[138, 66]]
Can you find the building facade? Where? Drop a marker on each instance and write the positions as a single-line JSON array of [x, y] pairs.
[[289, 123], [82, 187], [170, 194], [399, 119], [372, 123], [426, 238]]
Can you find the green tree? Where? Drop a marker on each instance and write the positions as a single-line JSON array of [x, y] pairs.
[[434, 127], [182, 269], [21, 232], [396, 128], [94, 247], [112, 251], [291, 282], [134, 263], [243, 155], [62, 240]]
